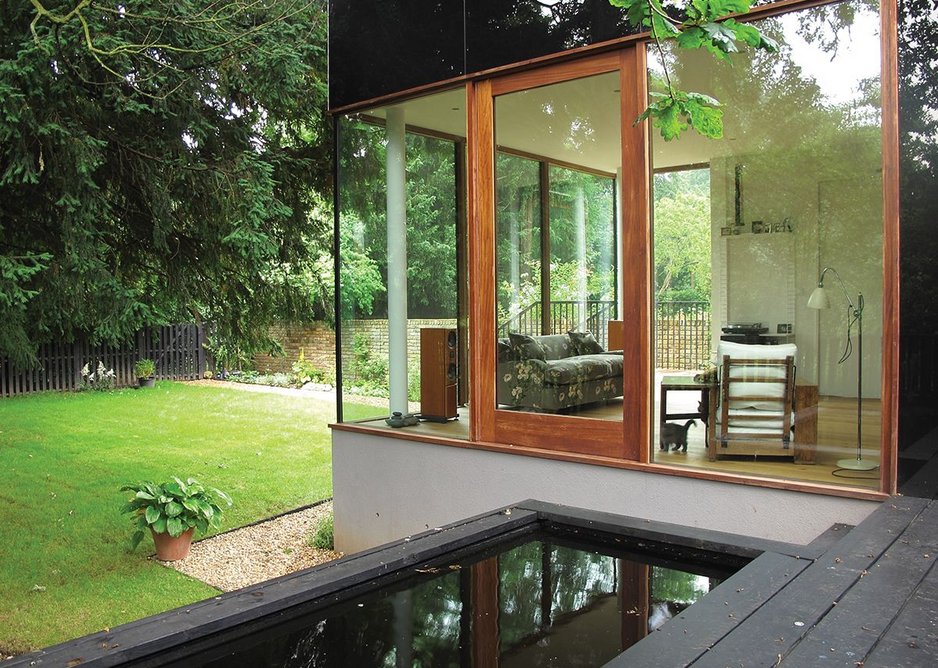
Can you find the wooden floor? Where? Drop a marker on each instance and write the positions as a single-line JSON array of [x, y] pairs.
[[866, 596], [836, 440]]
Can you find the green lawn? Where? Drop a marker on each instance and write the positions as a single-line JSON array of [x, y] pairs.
[[65, 565]]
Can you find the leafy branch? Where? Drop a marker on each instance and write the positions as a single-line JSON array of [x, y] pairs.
[[225, 25], [707, 24]]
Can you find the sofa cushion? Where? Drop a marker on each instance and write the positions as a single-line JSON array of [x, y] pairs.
[[526, 347], [582, 368], [584, 343], [556, 346]]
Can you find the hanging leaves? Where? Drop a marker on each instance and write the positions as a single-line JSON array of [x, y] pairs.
[[705, 24]]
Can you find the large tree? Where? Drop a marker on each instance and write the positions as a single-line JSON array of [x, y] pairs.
[[160, 161]]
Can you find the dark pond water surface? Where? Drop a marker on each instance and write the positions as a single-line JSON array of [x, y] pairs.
[[537, 601]]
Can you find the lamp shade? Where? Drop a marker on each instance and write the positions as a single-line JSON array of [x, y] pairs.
[[819, 299]]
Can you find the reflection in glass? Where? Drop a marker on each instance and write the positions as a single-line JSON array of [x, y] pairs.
[[500, 33], [558, 157], [430, 191], [918, 311], [582, 251], [375, 53], [794, 186]]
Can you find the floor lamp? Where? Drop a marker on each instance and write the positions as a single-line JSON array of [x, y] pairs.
[[820, 300]]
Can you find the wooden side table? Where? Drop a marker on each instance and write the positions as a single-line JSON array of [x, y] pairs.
[[708, 397]]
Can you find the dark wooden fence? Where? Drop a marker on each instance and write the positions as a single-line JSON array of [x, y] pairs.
[[177, 350]]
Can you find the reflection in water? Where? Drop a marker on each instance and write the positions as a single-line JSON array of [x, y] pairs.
[[539, 603]]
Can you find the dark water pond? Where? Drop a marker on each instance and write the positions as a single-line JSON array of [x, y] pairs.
[[537, 601]]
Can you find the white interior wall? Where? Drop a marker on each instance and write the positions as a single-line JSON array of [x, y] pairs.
[[850, 240], [835, 221], [389, 488]]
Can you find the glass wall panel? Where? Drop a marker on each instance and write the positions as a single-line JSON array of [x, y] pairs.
[[501, 33], [400, 271], [582, 251], [918, 365], [374, 53], [745, 229], [555, 248], [518, 224]]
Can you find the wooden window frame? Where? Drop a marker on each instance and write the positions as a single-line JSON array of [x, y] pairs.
[[528, 435]]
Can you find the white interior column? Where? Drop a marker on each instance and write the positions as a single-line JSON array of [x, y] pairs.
[[515, 269], [579, 219], [397, 259], [619, 233]]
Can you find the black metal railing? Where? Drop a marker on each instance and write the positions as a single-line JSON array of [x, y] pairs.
[[682, 328], [682, 334], [562, 316]]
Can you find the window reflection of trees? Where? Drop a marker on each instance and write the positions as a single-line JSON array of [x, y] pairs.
[[918, 173], [581, 246]]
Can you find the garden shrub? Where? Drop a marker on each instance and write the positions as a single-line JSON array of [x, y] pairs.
[[369, 375], [324, 538], [303, 371]]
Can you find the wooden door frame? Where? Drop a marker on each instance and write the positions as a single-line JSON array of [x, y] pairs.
[[627, 439]]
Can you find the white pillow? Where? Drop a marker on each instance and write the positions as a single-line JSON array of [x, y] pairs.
[[756, 352]]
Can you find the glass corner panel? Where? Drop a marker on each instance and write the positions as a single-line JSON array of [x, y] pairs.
[[401, 268], [758, 371]]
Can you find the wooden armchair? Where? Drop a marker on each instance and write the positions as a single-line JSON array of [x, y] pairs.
[[755, 411]]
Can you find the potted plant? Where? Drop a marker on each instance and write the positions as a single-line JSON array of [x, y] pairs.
[[144, 370], [172, 511]]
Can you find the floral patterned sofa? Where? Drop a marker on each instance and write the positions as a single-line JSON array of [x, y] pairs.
[[555, 372]]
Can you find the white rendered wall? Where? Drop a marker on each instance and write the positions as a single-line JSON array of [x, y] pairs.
[[388, 488]]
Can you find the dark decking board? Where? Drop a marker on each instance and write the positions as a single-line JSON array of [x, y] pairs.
[[766, 636], [684, 639], [912, 640], [866, 611], [867, 597], [856, 596]]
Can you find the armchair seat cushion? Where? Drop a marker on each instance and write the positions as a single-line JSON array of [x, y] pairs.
[[755, 411], [759, 422]]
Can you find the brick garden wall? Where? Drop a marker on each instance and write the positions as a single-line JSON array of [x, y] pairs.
[[317, 341]]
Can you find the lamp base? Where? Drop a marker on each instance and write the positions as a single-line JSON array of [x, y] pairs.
[[855, 464]]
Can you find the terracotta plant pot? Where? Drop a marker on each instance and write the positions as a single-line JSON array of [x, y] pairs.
[[146, 382], [172, 549]]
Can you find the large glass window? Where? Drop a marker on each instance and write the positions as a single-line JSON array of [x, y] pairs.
[[555, 245], [401, 267], [757, 372]]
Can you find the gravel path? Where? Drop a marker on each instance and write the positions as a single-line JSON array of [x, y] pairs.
[[256, 553]]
